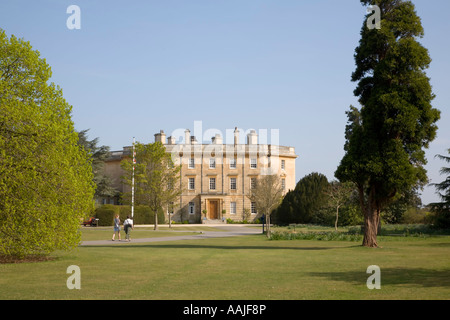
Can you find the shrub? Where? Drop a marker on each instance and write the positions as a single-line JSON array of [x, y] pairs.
[[106, 214], [325, 236]]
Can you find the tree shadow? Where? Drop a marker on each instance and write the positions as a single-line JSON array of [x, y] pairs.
[[417, 277], [204, 246], [438, 244]]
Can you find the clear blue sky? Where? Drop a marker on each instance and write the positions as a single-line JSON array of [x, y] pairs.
[[136, 67]]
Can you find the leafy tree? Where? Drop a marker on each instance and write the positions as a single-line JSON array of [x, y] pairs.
[[350, 214], [45, 177], [442, 209], [385, 139], [98, 155], [338, 196], [267, 195], [156, 177]]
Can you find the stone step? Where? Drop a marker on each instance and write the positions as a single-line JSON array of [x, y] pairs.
[[214, 221]]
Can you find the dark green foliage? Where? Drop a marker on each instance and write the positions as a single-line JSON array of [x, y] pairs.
[[441, 210], [301, 204]]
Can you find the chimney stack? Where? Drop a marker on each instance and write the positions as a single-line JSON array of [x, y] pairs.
[[171, 140], [217, 139], [252, 137], [187, 136], [236, 136], [160, 137]]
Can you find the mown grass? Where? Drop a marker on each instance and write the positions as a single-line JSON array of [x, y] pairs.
[[239, 268]]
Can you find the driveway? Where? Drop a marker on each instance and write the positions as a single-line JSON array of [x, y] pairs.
[[228, 231]]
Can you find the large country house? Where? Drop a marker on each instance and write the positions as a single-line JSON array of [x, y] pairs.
[[216, 177]]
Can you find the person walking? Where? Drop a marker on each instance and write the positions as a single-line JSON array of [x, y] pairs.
[[128, 226], [116, 227]]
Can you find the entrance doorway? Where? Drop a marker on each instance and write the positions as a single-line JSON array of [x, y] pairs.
[[213, 209]]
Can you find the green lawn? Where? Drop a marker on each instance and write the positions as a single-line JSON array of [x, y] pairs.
[[248, 267]]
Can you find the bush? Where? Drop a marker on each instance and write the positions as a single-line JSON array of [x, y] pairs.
[[440, 217], [413, 216], [106, 214], [325, 236]]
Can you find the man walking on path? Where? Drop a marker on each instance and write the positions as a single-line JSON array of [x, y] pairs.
[[127, 226]]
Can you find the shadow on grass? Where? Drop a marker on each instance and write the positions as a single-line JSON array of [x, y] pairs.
[[437, 245], [417, 277], [203, 246]]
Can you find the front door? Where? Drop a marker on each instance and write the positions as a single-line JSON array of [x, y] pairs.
[[213, 209]]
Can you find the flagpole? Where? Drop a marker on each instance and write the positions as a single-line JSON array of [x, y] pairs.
[[132, 181]]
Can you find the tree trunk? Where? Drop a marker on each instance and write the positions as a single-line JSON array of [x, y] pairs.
[[371, 218], [156, 221], [337, 216], [268, 225], [371, 224]]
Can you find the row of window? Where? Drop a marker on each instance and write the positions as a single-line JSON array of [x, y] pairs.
[[233, 208], [233, 183], [233, 163]]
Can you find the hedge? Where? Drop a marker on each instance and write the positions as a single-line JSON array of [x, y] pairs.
[[142, 214]]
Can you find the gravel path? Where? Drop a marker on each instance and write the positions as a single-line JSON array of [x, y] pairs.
[[228, 231]]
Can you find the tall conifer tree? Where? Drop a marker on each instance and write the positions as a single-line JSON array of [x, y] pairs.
[[386, 137]]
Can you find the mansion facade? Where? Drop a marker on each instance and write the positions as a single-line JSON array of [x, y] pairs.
[[216, 177]]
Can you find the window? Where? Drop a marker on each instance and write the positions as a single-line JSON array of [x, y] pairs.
[[191, 207], [191, 163], [283, 164], [233, 163], [212, 183], [212, 163], [232, 207], [252, 183], [191, 185], [283, 184], [253, 208], [233, 184], [253, 163]]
